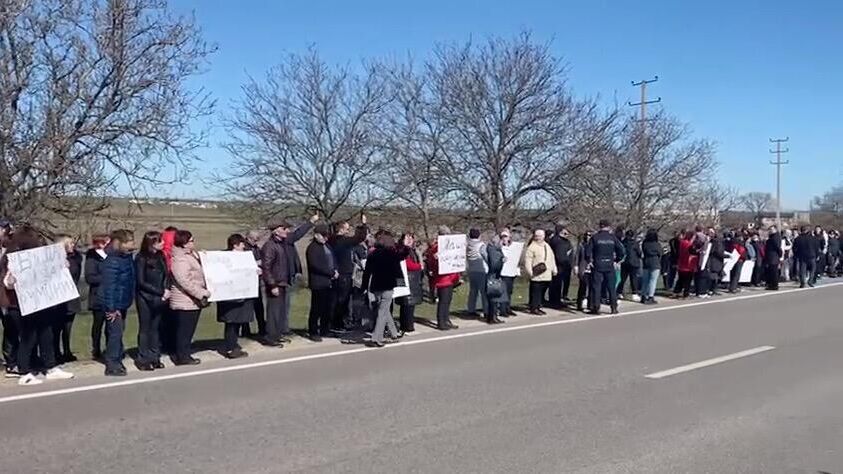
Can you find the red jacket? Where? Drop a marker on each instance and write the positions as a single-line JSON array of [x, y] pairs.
[[168, 237], [687, 261], [440, 281], [741, 251]]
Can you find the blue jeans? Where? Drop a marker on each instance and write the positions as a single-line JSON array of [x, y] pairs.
[[114, 341], [649, 281], [476, 289]]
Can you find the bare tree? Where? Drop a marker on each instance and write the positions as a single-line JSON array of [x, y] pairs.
[[308, 135], [757, 203], [93, 100], [515, 131]]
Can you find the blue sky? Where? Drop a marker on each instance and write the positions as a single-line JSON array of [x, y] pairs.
[[737, 72]]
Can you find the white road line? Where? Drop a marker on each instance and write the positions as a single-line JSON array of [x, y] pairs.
[[709, 362], [341, 353]]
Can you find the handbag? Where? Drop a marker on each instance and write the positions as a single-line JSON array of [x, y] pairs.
[[540, 268], [494, 287]]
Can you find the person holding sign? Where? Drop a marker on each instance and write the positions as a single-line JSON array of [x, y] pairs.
[[116, 295], [34, 329], [234, 314], [188, 295], [443, 282], [153, 288], [322, 275], [407, 244]]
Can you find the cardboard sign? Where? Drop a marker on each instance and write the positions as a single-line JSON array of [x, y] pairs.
[[42, 279]]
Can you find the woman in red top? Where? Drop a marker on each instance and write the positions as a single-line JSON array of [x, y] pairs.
[[687, 265], [444, 284]]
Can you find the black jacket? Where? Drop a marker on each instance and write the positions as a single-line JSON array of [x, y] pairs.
[[320, 268], [343, 247], [74, 260], [806, 248], [562, 250], [93, 277], [633, 253], [383, 270], [716, 256], [152, 277], [280, 262], [603, 251], [652, 252], [674, 251], [833, 247], [773, 249]]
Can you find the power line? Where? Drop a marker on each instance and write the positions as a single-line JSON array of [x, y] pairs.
[[778, 164], [643, 103]]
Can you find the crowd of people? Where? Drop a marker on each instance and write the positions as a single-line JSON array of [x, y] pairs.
[[354, 277]]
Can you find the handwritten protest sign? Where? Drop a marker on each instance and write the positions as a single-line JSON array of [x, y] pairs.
[[512, 253], [230, 275], [729, 264], [42, 279], [746, 272], [451, 253], [401, 291]]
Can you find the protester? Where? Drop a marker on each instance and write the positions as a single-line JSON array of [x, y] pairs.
[[322, 273], [716, 261], [563, 251], [758, 269], [496, 297], [702, 278], [234, 314], [822, 252], [508, 281], [583, 271], [603, 254], [686, 265], [188, 295], [66, 312], [773, 258], [833, 253], [540, 266], [477, 269], [407, 304], [651, 251], [631, 265], [116, 295], [673, 245], [806, 247], [253, 245], [383, 270], [94, 261], [153, 294], [787, 255], [444, 284], [167, 328], [733, 245], [34, 330], [10, 328], [343, 244]]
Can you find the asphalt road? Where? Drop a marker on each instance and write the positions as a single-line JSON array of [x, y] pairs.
[[557, 398]]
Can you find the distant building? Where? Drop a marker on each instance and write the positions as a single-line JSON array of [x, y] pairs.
[[790, 219]]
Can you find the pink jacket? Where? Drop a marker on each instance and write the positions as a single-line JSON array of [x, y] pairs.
[[188, 281]]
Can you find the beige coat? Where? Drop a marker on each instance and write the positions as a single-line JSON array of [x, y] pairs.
[[188, 281], [537, 253]]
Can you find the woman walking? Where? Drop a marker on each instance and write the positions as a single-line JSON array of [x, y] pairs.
[[407, 304], [383, 270], [651, 250], [188, 295], [540, 265], [153, 292], [235, 313]]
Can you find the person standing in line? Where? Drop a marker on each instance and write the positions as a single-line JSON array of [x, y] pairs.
[[496, 297], [773, 258], [651, 250], [603, 255], [343, 244], [631, 265], [758, 270], [35, 329], [94, 261], [383, 271], [322, 274], [732, 245], [583, 272], [702, 277], [234, 314], [540, 266], [508, 281], [188, 295], [66, 312], [167, 328], [805, 251], [153, 293], [686, 265], [444, 283], [787, 254], [716, 261], [116, 295], [253, 245], [276, 277], [563, 251], [287, 240], [833, 253], [822, 252], [11, 336], [477, 270], [407, 304], [673, 253]]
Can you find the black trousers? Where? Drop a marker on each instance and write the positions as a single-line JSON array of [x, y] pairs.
[[599, 282], [537, 289], [97, 327], [735, 276], [260, 317], [36, 331], [321, 312], [185, 322], [683, 283], [275, 310], [11, 337], [772, 276], [807, 272], [62, 326], [757, 273], [582, 290], [509, 286], [342, 306], [229, 336], [702, 280], [149, 336], [633, 274], [443, 306], [407, 317]]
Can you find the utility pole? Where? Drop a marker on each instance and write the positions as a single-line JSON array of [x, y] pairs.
[[642, 123], [778, 164], [643, 103]]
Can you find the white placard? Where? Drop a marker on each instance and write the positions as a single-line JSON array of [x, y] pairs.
[[401, 291], [230, 275], [746, 271], [451, 253], [729, 264], [512, 253], [42, 279]]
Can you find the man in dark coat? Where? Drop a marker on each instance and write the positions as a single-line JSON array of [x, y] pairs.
[[773, 257], [253, 245], [116, 295], [805, 250], [631, 266], [604, 251], [343, 244], [716, 257], [322, 273], [563, 252]]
